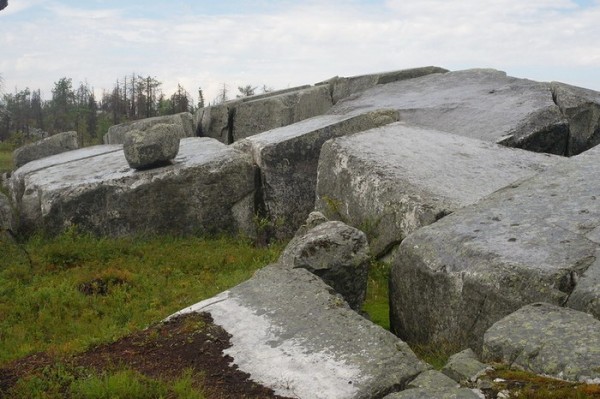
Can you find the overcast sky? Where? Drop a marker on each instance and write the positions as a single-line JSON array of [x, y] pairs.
[[287, 43]]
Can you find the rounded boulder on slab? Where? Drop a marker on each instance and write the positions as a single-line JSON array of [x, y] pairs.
[[156, 146]]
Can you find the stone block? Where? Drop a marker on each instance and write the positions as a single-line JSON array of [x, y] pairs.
[[287, 158], [52, 145], [293, 334], [547, 339], [337, 253], [533, 241], [208, 189], [393, 180], [116, 133], [154, 147], [480, 103]]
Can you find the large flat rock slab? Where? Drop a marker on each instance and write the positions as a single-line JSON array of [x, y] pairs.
[[392, 180], [549, 340], [209, 188], [288, 159], [291, 333], [482, 103], [533, 241]]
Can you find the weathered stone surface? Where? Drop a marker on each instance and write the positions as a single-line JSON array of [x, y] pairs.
[[464, 367], [581, 107], [435, 393], [52, 145], [7, 217], [482, 103], [291, 333], [116, 134], [395, 179], [209, 188], [337, 253], [345, 87], [530, 242], [244, 117], [288, 158], [586, 295], [432, 379], [547, 339], [263, 114], [154, 147]]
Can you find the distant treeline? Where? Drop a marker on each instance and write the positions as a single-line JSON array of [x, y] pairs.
[[26, 115]]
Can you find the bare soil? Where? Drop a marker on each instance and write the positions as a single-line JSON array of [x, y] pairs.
[[164, 351]]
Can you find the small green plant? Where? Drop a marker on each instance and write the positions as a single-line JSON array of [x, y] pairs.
[[334, 208], [6, 156], [377, 302]]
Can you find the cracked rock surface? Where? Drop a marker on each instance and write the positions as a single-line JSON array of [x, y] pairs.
[[533, 241], [549, 340]]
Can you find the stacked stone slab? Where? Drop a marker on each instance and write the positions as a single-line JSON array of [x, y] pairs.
[[533, 241], [52, 145], [208, 189], [244, 117], [488, 105], [288, 157], [391, 181], [292, 333], [342, 87], [116, 134], [235, 120]]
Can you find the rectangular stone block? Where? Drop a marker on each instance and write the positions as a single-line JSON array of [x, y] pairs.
[[533, 241], [209, 188], [395, 179], [287, 158]]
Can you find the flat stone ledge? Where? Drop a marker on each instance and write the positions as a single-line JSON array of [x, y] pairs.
[[293, 334]]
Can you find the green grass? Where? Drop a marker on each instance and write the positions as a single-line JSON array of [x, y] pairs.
[[65, 294], [376, 303], [60, 381], [6, 158]]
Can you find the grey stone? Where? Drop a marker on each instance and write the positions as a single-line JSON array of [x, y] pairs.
[[435, 393], [116, 133], [52, 145], [209, 188], [288, 159], [464, 367], [244, 117], [432, 379], [586, 295], [345, 87], [7, 216], [484, 104], [532, 241], [547, 339], [390, 181], [153, 147], [216, 121], [581, 107], [337, 253], [256, 116], [293, 334]]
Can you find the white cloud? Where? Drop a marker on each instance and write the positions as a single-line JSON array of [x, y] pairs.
[[303, 43]]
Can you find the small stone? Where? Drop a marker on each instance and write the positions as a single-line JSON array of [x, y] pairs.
[[464, 367], [153, 147]]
